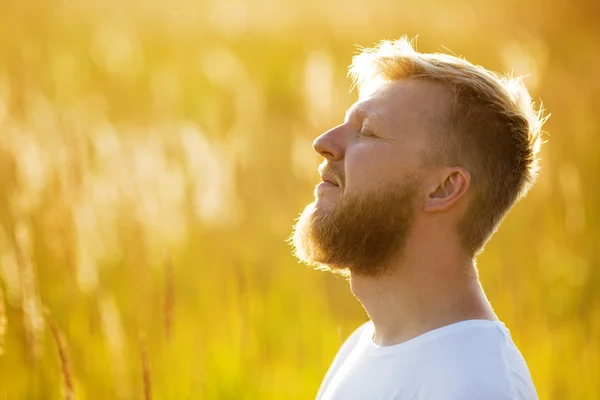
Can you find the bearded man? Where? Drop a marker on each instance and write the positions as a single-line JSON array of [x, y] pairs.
[[416, 179]]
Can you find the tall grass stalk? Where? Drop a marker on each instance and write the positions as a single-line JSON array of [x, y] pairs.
[[65, 364], [3, 321], [169, 293], [145, 368]]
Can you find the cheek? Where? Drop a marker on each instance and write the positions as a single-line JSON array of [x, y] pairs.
[[371, 169], [374, 163]]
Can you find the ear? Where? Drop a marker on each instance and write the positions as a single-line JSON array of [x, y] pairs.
[[445, 192]]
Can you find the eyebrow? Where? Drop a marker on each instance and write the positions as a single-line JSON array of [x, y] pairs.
[[362, 113]]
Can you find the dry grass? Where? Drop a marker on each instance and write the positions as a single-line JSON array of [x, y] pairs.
[[65, 364], [129, 127], [3, 320], [169, 297], [146, 383]]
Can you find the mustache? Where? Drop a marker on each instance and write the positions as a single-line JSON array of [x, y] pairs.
[[327, 169]]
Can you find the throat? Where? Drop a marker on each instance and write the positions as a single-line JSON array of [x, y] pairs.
[[403, 308]]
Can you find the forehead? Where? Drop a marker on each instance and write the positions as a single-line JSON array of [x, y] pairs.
[[412, 104]]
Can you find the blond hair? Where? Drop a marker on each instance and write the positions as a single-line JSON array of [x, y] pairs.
[[492, 128]]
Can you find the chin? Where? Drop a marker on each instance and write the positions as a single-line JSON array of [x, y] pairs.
[[325, 196], [321, 205], [320, 200]]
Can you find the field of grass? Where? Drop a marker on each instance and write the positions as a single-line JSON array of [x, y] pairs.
[[153, 157]]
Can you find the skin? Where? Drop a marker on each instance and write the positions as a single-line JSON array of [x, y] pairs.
[[429, 282]]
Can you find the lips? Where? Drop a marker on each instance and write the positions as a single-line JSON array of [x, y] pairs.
[[331, 175], [329, 180]]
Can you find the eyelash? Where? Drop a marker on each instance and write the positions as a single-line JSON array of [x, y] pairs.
[[365, 133]]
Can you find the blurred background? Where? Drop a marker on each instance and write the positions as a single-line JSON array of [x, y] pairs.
[[153, 158]]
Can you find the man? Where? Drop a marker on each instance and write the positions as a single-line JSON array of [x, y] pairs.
[[414, 182]]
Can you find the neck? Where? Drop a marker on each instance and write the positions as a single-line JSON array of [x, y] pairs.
[[426, 291]]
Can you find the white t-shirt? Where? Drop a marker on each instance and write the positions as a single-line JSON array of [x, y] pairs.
[[468, 360]]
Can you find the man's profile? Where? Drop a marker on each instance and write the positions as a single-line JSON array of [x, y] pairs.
[[416, 179]]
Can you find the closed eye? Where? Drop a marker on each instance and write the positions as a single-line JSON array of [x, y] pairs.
[[366, 133]]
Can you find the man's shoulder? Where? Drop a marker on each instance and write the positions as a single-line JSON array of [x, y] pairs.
[[474, 388], [478, 379], [480, 363]]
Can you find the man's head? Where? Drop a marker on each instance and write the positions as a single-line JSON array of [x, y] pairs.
[[432, 140]]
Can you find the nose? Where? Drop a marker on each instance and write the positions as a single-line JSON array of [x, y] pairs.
[[328, 145]]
